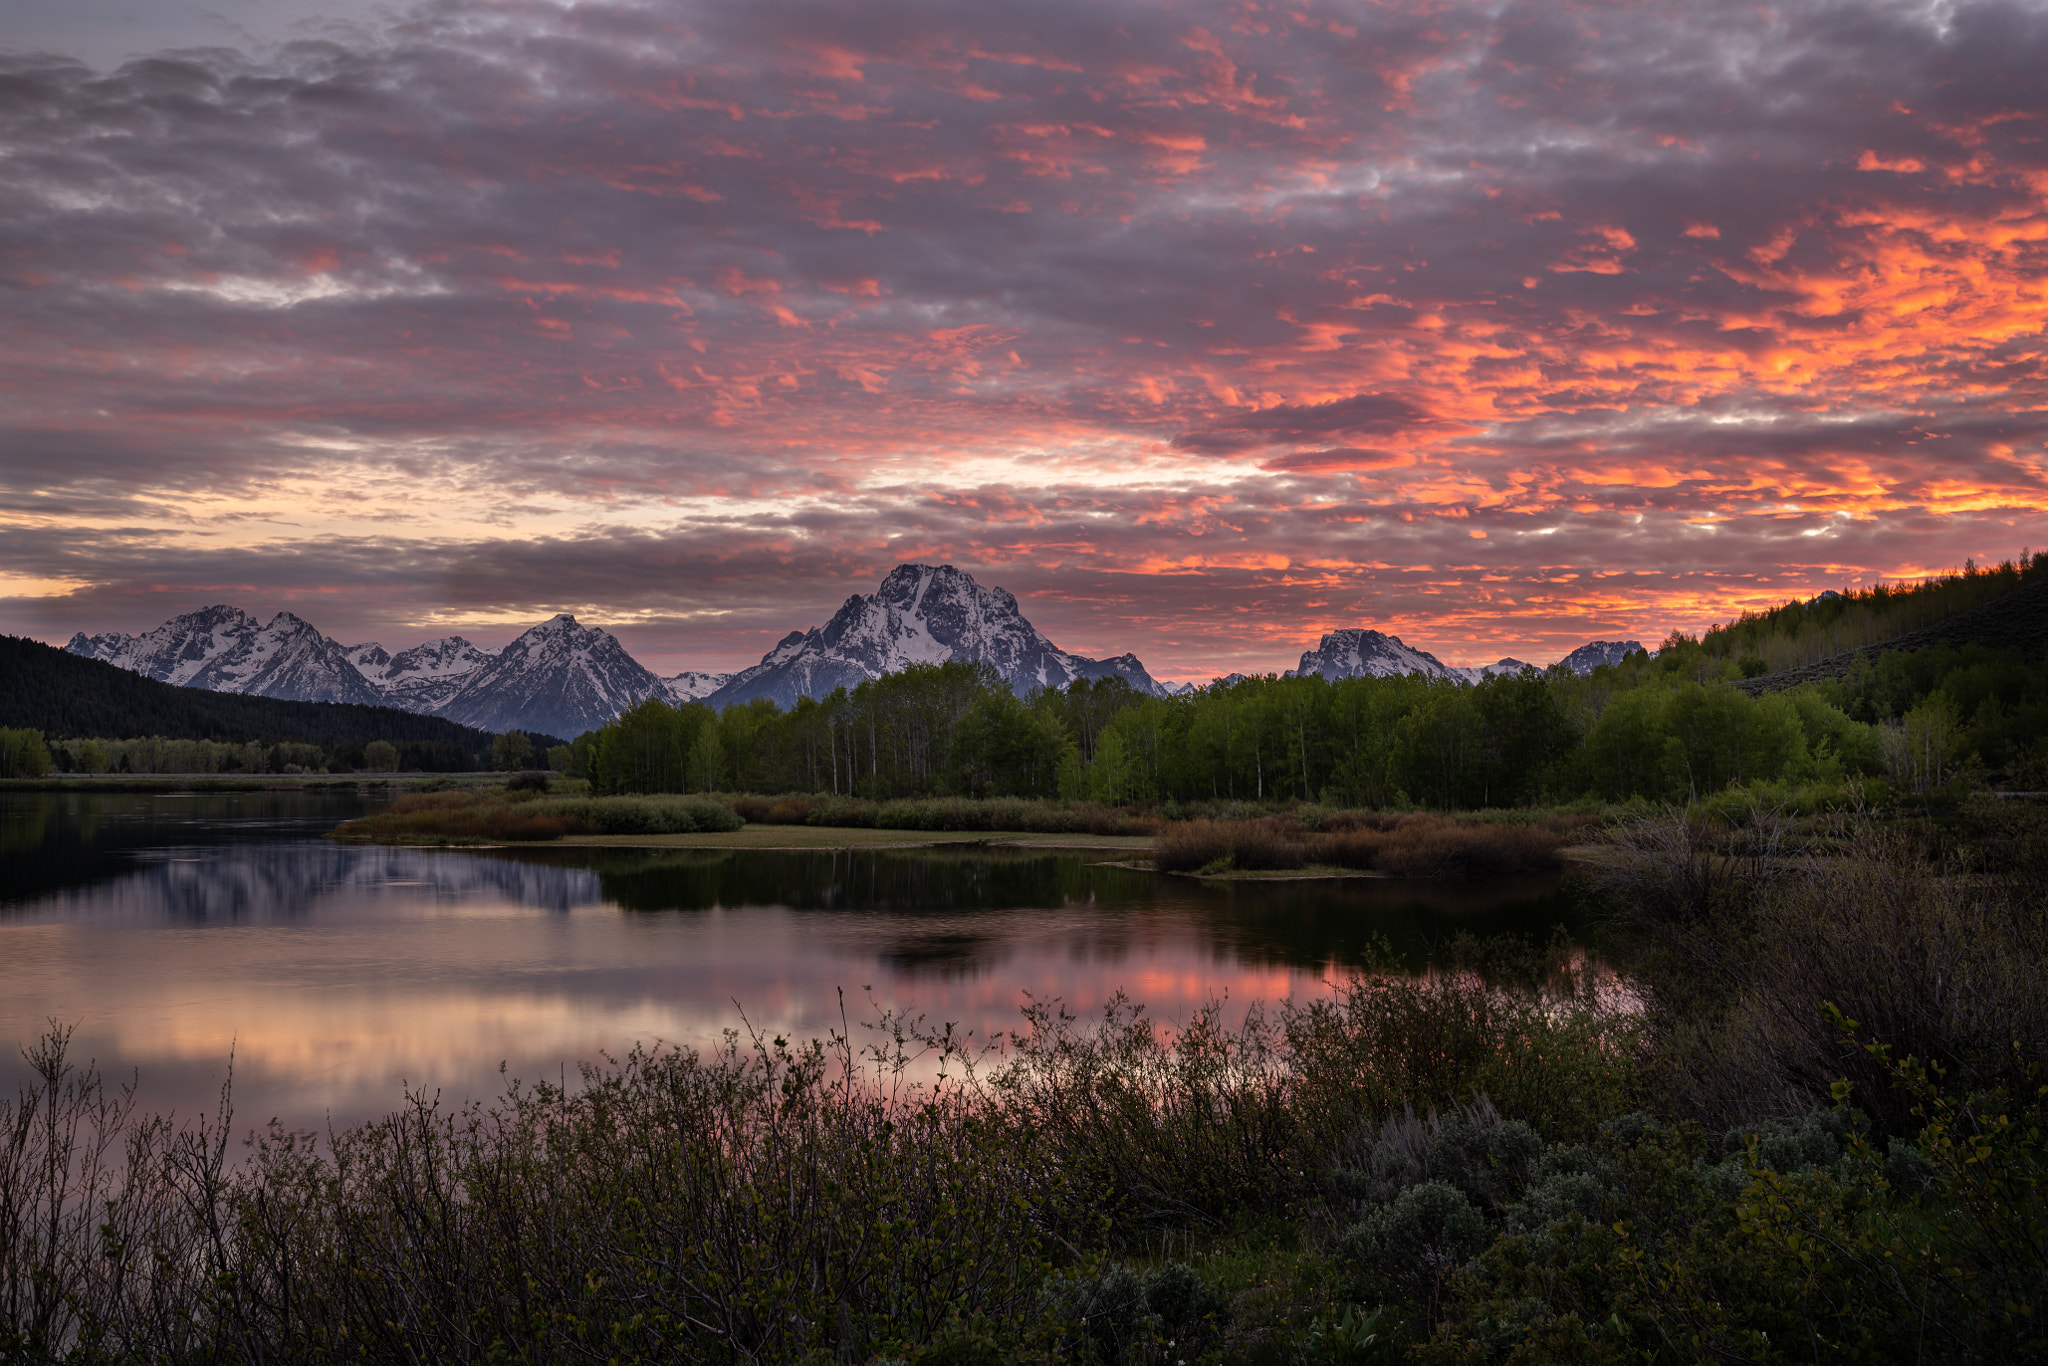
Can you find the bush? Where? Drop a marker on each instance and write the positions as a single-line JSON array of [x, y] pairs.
[[1406, 1250]]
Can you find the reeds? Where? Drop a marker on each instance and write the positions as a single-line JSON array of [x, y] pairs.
[[1024, 815], [1742, 934], [1414, 845], [496, 815]]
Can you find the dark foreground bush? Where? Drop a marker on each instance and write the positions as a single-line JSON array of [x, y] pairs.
[[495, 815], [1784, 1241]]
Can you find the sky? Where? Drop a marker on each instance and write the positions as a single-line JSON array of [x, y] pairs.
[[1204, 328]]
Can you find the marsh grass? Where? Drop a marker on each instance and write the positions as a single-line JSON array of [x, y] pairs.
[[1738, 934], [501, 815], [1023, 815], [1407, 845]]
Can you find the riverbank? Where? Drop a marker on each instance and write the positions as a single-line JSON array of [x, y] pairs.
[[254, 782]]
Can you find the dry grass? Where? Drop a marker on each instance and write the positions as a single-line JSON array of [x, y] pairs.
[[1402, 845], [1024, 815], [498, 815], [1742, 935]]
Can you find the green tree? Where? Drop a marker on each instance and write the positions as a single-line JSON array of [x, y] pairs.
[[707, 760], [23, 753], [1437, 749], [512, 750], [380, 756], [561, 758]]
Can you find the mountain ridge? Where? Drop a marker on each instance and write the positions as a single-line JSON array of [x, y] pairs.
[[561, 677]]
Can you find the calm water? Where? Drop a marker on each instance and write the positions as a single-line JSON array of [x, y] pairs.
[[173, 930]]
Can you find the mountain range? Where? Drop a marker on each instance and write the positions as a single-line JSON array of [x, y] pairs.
[[1353, 652], [563, 678]]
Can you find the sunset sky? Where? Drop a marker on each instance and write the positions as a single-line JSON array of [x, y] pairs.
[[1203, 328]]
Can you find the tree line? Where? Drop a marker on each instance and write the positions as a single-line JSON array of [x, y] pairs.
[[1670, 727]]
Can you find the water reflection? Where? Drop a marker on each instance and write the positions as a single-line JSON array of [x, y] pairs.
[[174, 933]]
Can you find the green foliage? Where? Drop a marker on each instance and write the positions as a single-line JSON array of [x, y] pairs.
[[1801, 1242], [1800, 633], [511, 751], [1407, 1249], [380, 756], [23, 753]]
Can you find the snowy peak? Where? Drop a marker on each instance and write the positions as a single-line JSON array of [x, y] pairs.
[[920, 614], [370, 659], [176, 650], [1356, 653], [693, 686], [287, 658], [224, 649], [1479, 673], [426, 676], [1595, 653], [560, 678]]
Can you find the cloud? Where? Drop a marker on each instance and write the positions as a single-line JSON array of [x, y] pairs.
[[1296, 424], [1211, 328]]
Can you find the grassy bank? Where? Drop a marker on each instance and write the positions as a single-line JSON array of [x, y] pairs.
[[260, 782], [1219, 839], [1810, 1128]]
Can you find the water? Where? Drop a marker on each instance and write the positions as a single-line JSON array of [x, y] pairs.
[[174, 931]]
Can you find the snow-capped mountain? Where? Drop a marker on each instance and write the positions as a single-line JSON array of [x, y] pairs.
[[176, 650], [561, 678], [224, 649], [921, 614], [1594, 653], [692, 686], [1352, 653], [558, 679], [1479, 673], [1355, 653], [425, 677]]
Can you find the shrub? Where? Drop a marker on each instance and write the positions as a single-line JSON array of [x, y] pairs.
[[1407, 1249]]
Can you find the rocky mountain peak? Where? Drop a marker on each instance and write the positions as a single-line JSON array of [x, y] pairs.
[[919, 614]]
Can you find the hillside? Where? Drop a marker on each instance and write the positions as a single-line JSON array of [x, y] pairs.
[[64, 695], [2011, 613]]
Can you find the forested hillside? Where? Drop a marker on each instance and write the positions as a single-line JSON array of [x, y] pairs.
[[64, 696], [1674, 726]]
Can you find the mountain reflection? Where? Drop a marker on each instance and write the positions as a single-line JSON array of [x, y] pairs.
[[951, 909], [175, 933]]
